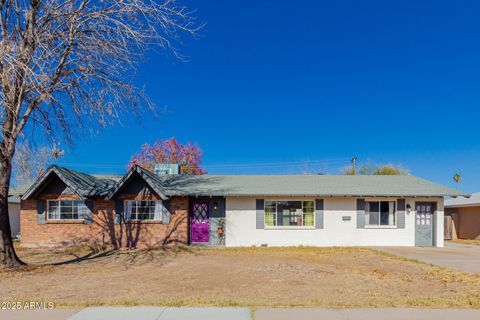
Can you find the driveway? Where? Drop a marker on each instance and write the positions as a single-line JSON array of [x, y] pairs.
[[462, 257]]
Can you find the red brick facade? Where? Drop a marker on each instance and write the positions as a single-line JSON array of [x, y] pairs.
[[103, 232]]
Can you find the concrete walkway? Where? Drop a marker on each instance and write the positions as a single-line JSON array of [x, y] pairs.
[[366, 314], [160, 313], [462, 257], [129, 313], [54, 314]]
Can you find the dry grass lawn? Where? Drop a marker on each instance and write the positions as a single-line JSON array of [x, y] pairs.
[[253, 277]]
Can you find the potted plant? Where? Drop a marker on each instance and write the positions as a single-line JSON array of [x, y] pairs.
[[220, 230]]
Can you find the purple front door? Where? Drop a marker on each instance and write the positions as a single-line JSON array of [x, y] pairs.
[[199, 222]]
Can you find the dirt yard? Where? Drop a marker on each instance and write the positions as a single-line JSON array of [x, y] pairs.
[[330, 277]]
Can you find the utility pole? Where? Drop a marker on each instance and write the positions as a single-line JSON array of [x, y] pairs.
[[354, 165]]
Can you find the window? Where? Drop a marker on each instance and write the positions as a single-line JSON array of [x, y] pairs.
[[380, 213], [289, 213], [65, 209], [140, 210]]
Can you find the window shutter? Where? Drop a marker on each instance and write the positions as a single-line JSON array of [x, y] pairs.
[[158, 215], [87, 211], [360, 213], [41, 211], [127, 213], [260, 214], [165, 205], [319, 214], [401, 213], [118, 212]]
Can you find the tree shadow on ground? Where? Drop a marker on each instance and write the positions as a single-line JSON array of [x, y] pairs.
[[130, 257]]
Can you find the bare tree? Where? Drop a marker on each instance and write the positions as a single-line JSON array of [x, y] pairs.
[[68, 65], [376, 170], [29, 162]]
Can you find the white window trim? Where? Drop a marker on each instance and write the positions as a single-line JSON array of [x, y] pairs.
[[375, 226], [379, 226], [289, 227], [141, 220], [60, 219]]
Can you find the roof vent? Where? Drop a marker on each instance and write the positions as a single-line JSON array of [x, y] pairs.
[[167, 168]]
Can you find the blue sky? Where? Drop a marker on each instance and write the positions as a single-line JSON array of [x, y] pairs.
[[283, 82]]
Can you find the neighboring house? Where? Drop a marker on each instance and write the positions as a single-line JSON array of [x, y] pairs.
[[143, 209], [462, 217], [14, 208], [14, 215]]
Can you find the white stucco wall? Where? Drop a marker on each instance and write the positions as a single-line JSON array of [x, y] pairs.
[[439, 225], [241, 226]]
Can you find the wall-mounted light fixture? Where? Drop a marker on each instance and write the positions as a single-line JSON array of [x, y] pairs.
[[409, 208], [215, 206]]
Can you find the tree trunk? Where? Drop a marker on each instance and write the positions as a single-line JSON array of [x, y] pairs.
[[8, 257]]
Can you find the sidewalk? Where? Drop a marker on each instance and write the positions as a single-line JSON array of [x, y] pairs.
[[129, 313], [366, 314], [54, 314], [161, 313]]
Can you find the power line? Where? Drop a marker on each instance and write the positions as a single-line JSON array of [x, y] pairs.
[[258, 165], [280, 163], [276, 165], [333, 161]]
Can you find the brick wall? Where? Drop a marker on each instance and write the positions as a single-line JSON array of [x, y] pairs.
[[103, 232]]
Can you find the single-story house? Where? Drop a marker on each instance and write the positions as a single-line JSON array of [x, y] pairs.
[[14, 215], [144, 209], [14, 208], [462, 217]]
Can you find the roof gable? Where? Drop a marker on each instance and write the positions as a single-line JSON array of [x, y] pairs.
[[46, 178], [82, 184], [149, 178]]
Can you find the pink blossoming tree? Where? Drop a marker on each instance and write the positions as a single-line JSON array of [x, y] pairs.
[[188, 156]]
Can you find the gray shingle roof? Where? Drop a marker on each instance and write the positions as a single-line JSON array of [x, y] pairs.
[[85, 185], [472, 201], [88, 185], [302, 185], [152, 179]]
